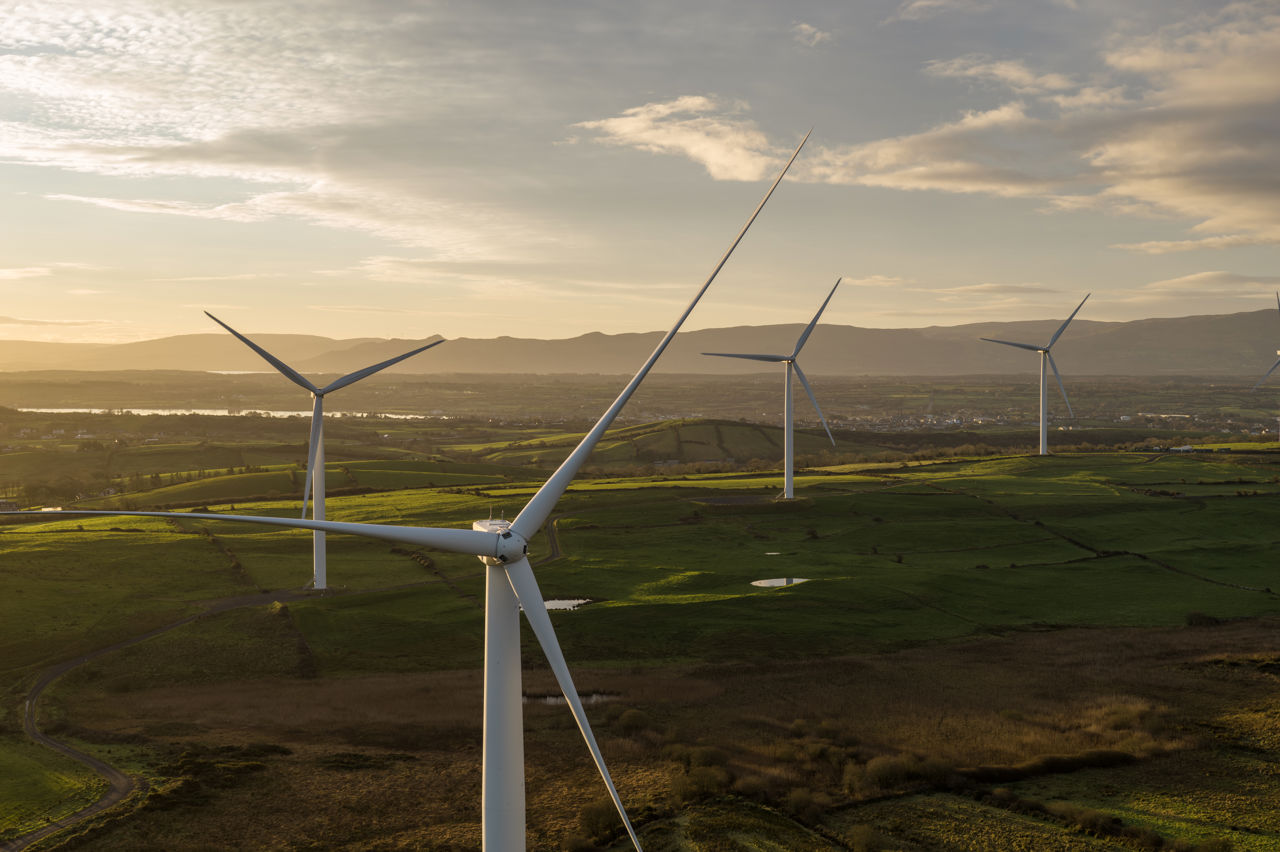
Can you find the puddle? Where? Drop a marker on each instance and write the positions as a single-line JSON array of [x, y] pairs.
[[566, 603], [773, 553], [780, 581], [558, 700]]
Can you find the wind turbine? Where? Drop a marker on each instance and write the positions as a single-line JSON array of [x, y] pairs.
[[315, 451], [509, 588], [1276, 364], [788, 433], [1045, 356]]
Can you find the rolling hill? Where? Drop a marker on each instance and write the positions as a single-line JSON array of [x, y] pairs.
[[1213, 345]]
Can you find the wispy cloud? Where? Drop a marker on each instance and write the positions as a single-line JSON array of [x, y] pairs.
[[919, 10], [43, 270], [1170, 246], [983, 151], [18, 273], [808, 35], [38, 322], [453, 232], [1007, 72], [1183, 122], [242, 276], [1214, 282], [702, 128], [455, 280], [142, 89], [992, 289]]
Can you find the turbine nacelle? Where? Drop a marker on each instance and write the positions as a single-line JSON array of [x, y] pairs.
[[508, 544]]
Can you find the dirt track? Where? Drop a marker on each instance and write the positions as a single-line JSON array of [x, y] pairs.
[[121, 786]]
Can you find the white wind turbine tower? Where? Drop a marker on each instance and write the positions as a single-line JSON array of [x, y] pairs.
[[314, 484], [788, 433], [1045, 356], [1267, 375], [509, 588]]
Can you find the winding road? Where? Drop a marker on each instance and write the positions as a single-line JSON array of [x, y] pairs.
[[120, 785]]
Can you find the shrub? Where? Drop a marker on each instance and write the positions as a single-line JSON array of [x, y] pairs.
[[599, 819], [701, 782], [707, 756], [633, 722], [677, 753], [579, 843], [749, 786], [891, 772], [805, 804]]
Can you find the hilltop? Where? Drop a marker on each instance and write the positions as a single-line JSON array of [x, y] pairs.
[[1211, 345]]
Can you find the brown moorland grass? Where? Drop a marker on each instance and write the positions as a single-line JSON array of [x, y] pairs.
[[833, 742]]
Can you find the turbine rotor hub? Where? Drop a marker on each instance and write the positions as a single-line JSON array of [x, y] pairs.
[[508, 546], [511, 547]]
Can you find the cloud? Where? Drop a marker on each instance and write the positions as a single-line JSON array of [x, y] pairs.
[[1169, 246], [1181, 123], [36, 322], [1008, 72], [319, 117], [701, 128], [243, 276], [919, 10], [808, 35], [18, 273], [1213, 282], [874, 281], [452, 231], [999, 289], [1210, 292], [984, 151]]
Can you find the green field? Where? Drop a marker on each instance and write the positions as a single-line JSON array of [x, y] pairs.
[[957, 613]]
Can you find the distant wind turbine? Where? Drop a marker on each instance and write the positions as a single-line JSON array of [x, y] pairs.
[[1045, 356], [1276, 364], [509, 588], [314, 484], [788, 432]]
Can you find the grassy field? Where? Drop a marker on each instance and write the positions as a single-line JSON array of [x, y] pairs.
[[961, 622]]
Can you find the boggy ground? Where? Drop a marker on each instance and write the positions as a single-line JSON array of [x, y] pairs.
[[1074, 739]]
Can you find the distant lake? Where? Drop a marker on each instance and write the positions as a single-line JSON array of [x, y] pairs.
[[227, 412]]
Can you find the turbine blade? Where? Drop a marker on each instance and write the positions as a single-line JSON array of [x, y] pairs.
[[317, 432], [1063, 328], [1026, 346], [814, 400], [285, 370], [469, 542], [1278, 300], [1268, 374], [1058, 376], [351, 378], [809, 329], [538, 509], [525, 587], [772, 359]]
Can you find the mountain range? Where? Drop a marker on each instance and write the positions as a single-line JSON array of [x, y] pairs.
[[1239, 345]]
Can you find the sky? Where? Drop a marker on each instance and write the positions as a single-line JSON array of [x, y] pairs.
[[394, 168]]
